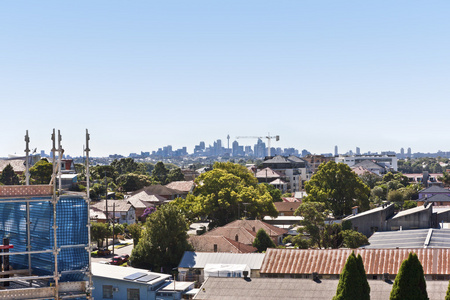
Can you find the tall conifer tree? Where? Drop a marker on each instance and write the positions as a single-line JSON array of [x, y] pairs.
[[410, 281], [353, 283]]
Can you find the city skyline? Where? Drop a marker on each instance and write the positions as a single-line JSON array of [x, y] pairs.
[[145, 74]]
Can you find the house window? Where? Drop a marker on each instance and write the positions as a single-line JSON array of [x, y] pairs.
[[133, 294], [215, 247], [107, 292]]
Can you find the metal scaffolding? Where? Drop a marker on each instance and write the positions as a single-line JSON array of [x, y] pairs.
[[49, 255]]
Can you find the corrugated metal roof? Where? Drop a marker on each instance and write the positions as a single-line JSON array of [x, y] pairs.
[[412, 211], [198, 260], [287, 288], [331, 261]]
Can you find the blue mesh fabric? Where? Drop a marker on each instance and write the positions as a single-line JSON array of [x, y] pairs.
[[71, 220]]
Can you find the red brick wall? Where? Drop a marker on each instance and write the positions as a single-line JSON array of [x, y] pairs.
[[25, 190]]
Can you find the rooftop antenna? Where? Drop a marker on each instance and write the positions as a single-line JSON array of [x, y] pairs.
[[27, 163]]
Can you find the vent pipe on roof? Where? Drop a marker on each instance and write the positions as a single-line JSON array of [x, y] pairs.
[[315, 276]]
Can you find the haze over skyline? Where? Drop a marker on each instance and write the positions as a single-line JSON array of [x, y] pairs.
[[141, 75]]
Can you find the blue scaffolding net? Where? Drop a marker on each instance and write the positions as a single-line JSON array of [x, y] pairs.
[[71, 234]]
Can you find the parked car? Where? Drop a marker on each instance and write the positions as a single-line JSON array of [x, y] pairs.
[[125, 257], [116, 260], [103, 252]]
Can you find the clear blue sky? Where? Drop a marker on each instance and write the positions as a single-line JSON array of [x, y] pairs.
[[144, 74]]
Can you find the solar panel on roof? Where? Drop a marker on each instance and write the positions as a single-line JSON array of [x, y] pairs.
[[135, 276], [148, 278]]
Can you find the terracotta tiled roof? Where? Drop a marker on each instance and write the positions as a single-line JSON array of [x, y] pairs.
[[158, 189], [291, 199], [251, 228], [331, 261], [286, 206], [244, 235], [249, 224], [183, 186], [361, 170], [267, 173], [205, 243]]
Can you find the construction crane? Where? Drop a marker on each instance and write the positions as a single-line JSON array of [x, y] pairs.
[[268, 137]]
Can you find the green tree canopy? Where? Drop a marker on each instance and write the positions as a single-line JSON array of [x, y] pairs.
[[352, 281], [163, 240], [160, 173], [410, 281], [8, 176], [370, 179], [41, 172], [128, 165], [274, 192], [175, 175], [222, 196], [314, 215], [336, 185], [263, 241], [133, 182], [99, 232], [135, 231], [353, 239]]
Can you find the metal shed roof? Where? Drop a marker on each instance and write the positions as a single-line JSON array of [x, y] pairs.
[[331, 261], [198, 260]]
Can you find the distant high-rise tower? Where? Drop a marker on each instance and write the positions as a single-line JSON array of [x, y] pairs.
[[336, 151], [409, 153], [228, 138], [358, 151]]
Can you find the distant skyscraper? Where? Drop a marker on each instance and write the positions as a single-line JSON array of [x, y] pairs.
[[336, 151], [409, 153], [358, 151]]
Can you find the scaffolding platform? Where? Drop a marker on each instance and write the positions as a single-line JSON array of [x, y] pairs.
[[49, 252]]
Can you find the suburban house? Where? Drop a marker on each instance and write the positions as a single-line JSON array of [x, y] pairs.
[[380, 264], [294, 170], [370, 166], [286, 208], [314, 161], [436, 200], [151, 200], [185, 187], [269, 176], [432, 178], [193, 265], [431, 191], [18, 165], [244, 231], [123, 211], [160, 190], [204, 243], [113, 282], [388, 161], [138, 205]]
